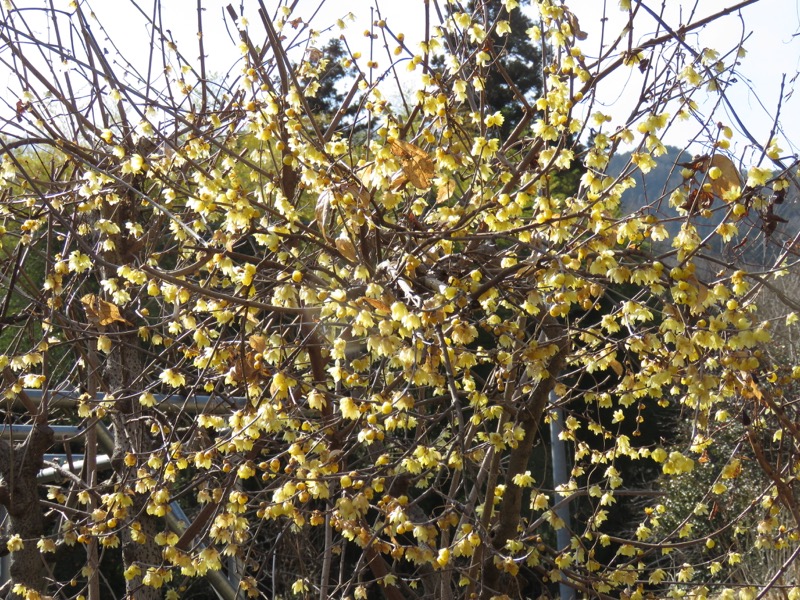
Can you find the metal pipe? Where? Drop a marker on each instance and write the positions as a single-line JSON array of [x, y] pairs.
[[5, 560], [194, 404], [51, 474], [560, 477], [61, 433], [178, 522], [104, 438], [176, 518]]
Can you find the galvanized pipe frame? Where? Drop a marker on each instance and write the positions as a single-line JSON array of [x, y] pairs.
[[194, 404], [176, 519]]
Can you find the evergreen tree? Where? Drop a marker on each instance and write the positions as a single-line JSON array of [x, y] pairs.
[[516, 60], [329, 94]]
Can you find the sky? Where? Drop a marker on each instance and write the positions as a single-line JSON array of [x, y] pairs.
[[771, 29], [773, 46]]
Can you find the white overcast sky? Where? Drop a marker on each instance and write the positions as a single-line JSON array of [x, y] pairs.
[[773, 46]]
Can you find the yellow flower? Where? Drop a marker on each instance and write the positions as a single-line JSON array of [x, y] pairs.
[[494, 120], [757, 176], [349, 408], [78, 262], [523, 479], [732, 470], [659, 455], [678, 463], [299, 587], [540, 502], [248, 272], [15, 543], [136, 163], [644, 161], [104, 344], [154, 577], [316, 400], [172, 378], [463, 333], [246, 471], [32, 380], [727, 231], [444, 557]]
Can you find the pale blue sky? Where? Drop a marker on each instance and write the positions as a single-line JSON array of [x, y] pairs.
[[773, 48]]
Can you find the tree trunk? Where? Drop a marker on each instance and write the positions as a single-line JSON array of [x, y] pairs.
[[131, 435], [19, 466], [530, 415], [122, 376]]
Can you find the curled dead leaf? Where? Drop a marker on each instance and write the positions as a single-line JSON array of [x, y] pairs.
[[377, 304], [697, 200], [528, 270], [618, 368], [417, 165], [345, 193], [723, 178], [672, 311], [702, 294], [258, 342], [247, 368], [572, 20], [101, 312], [346, 248], [445, 191], [399, 179], [728, 175], [314, 55], [324, 212]]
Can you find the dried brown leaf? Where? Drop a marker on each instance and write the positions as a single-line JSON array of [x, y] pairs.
[[335, 195], [702, 294], [358, 191], [258, 342], [101, 312], [572, 20], [346, 248], [377, 304], [399, 179], [445, 191], [672, 311], [729, 175], [729, 178], [314, 55], [528, 270], [324, 212], [617, 366], [417, 165]]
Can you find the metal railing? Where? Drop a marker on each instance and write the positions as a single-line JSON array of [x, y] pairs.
[[176, 519], [195, 404]]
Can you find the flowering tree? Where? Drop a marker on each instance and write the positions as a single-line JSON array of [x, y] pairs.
[[331, 340]]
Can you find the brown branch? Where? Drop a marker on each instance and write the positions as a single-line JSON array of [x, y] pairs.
[[196, 526], [510, 507], [380, 570], [785, 493]]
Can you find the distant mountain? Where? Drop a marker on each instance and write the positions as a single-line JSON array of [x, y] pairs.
[[655, 185], [754, 245]]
